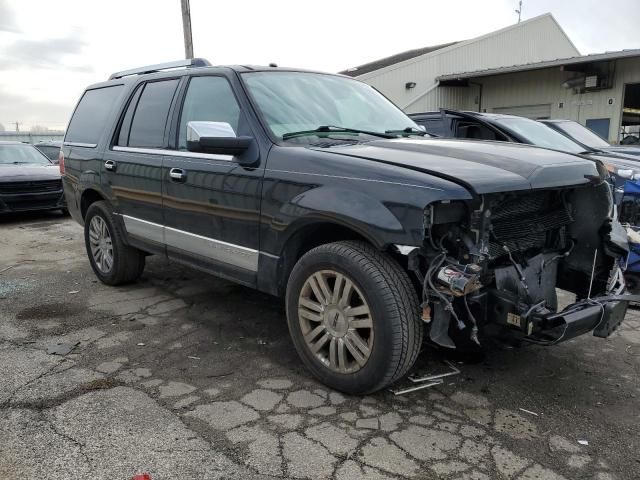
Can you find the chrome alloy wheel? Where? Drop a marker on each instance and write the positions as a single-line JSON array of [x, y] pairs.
[[336, 322], [101, 244]]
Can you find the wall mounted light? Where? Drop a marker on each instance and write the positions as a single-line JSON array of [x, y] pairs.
[[409, 85]]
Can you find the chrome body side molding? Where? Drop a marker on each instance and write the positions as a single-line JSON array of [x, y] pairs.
[[217, 250]]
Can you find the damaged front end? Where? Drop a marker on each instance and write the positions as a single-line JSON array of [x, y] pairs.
[[496, 264]]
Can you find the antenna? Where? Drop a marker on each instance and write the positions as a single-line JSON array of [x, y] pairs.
[[519, 10]]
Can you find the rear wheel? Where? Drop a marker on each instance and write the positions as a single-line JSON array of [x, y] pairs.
[[112, 260], [353, 316]]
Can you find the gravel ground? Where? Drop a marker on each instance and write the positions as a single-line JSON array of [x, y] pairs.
[[182, 375]]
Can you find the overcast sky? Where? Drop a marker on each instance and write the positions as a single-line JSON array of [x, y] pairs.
[[49, 51]]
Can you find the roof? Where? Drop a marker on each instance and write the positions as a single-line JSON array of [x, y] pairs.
[[392, 60], [596, 57], [414, 54]]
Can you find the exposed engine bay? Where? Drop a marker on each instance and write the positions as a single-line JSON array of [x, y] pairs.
[[495, 263]]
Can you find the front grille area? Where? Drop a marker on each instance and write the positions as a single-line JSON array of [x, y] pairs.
[[40, 186], [526, 221]]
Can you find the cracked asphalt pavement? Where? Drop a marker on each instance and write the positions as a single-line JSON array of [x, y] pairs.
[[183, 375]]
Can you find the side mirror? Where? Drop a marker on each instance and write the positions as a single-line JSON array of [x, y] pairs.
[[215, 137]]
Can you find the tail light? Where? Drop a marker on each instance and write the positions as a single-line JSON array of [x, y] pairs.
[[61, 162]]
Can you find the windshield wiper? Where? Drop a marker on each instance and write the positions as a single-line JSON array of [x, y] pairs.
[[408, 131], [334, 129]]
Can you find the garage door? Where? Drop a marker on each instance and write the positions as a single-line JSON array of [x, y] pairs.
[[529, 111]]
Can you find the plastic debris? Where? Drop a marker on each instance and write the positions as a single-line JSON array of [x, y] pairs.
[[73, 292], [140, 344], [528, 411], [141, 476], [62, 348], [192, 357], [583, 442]]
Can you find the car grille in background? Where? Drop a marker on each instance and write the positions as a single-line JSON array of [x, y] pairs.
[[41, 186], [525, 221]]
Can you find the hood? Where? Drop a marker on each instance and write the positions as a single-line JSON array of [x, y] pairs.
[[27, 173], [480, 166]]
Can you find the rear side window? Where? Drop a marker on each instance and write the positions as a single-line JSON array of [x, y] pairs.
[[434, 126], [91, 115], [149, 119]]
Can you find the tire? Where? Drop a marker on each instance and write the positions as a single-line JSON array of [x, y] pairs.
[[127, 263], [633, 282], [392, 330]]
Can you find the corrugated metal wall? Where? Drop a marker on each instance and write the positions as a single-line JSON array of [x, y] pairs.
[[531, 41], [545, 87]]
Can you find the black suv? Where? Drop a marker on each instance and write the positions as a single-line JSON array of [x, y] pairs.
[[315, 187]]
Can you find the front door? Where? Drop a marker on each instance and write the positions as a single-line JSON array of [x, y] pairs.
[[132, 169], [211, 203]]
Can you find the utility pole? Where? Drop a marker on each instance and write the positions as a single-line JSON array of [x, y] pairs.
[[17, 124], [186, 29], [518, 10]]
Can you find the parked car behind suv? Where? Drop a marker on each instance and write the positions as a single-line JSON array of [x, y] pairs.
[[588, 139], [28, 180], [51, 149], [316, 188]]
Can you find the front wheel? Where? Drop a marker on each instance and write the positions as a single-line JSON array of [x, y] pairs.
[[353, 316], [112, 260]]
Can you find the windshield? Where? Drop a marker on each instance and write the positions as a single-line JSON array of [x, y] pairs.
[[300, 102], [539, 134], [582, 134], [15, 154]]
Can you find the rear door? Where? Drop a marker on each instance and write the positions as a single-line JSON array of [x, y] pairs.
[[211, 203], [132, 168]]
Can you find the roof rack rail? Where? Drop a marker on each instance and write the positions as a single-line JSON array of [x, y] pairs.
[[190, 62]]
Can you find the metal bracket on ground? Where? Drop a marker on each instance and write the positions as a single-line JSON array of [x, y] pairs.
[[420, 382]]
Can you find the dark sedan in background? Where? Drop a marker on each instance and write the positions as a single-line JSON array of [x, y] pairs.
[[28, 180]]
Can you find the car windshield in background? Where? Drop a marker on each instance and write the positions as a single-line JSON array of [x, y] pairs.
[[16, 154], [539, 134], [298, 105], [582, 134]]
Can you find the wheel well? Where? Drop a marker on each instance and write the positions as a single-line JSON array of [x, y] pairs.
[[308, 238], [88, 197]]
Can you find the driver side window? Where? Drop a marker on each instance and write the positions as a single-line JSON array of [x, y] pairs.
[[208, 99]]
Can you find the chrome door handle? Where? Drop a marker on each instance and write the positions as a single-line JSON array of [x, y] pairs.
[[177, 174], [110, 165]]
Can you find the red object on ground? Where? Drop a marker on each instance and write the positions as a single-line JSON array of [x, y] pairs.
[[141, 476]]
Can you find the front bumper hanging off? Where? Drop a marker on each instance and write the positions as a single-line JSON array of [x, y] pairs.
[[602, 315]]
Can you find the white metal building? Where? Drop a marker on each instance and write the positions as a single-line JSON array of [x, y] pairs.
[[531, 69]]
